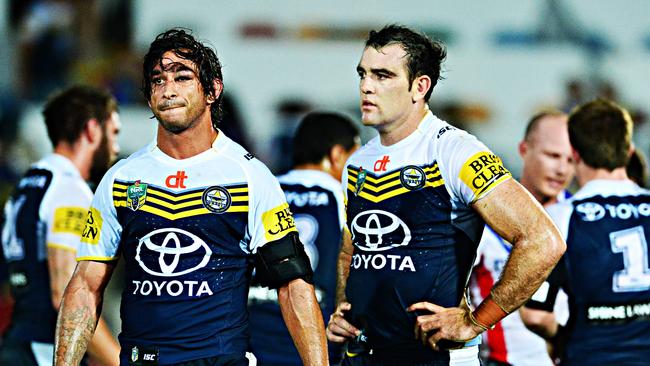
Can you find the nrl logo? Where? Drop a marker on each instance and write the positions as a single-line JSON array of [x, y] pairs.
[[134, 354], [136, 194], [361, 180]]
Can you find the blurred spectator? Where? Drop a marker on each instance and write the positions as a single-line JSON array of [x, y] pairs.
[[231, 122], [289, 112]]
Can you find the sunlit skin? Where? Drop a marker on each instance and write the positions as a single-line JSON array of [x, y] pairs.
[[182, 107], [112, 129], [389, 103], [548, 161]]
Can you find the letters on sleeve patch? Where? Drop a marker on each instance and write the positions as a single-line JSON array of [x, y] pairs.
[[278, 222], [69, 220], [482, 172], [93, 227]]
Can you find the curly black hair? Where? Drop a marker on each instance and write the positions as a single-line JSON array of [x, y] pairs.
[[184, 45]]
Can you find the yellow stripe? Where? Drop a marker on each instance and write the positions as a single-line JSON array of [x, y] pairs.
[[119, 194], [382, 187], [121, 186], [173, 206], [61, 246], [392, 193], [238, 209], [93, 258], [238, 190], [431, 168], [173, 198]]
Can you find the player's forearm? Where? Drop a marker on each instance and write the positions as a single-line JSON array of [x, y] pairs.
[[343, 266], [540, 322], [531, 261], [304, 320], [75, 324], [103, 346]]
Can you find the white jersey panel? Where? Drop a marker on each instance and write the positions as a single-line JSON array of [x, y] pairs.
[[64, 206]]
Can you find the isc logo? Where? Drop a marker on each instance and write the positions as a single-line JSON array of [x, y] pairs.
[[149, 357]]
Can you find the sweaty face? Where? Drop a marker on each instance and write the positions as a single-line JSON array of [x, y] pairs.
[[177, 98], [384, 86], [108, 149], [548, 161]]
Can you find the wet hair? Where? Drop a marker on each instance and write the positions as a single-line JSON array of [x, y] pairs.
[[601, 132], [67, 112], [424, 56], [185, 46], [535, 119], [318, 133]]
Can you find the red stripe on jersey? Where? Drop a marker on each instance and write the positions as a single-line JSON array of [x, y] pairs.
[[496, 337]]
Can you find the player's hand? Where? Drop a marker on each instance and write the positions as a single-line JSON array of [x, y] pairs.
[[449, 325], [338, 329]]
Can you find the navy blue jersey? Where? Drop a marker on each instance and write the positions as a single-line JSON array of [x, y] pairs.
[[414, 233], [316, 200], [47, 209], [187, 231], [607, 230]]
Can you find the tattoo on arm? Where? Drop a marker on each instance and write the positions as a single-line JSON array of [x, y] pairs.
[[76, 328]]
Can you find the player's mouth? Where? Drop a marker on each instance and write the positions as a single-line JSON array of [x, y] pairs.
[[556, 183], [367, 105]]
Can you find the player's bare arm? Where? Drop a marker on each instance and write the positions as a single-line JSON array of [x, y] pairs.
[[338, 328], [79, 311], [303, 318], [537, 246], [61, 266]]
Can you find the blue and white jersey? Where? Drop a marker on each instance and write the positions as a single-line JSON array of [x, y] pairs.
[[606, 225], [47, 209], [187, 230], [316, 200], [414, 232]]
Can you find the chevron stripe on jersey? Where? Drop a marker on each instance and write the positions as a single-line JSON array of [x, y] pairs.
[[377, 188], [173, 206]]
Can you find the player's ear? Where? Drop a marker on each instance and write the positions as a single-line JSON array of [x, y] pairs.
[[523, 147], [93, 131], [420, 88], [217, 89]]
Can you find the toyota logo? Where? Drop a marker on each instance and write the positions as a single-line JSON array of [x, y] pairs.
[[590, 211], [377, 230], [170, 244]]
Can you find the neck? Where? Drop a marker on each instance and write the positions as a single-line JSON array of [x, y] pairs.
[[585, 174], [399, 130], [190, 142], [79, 154]]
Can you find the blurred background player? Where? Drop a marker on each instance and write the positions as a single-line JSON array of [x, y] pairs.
[[605, 269], [546, 172], [321, 145], [45, 217]]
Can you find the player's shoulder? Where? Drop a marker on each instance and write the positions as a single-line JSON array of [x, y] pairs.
[[241, 160], [65, 177]]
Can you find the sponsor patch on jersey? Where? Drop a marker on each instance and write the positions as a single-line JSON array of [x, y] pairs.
[[136, 195], [69, 220], [412, 177], [278, 222], [217, 199], [361, 180], [93, 227], [378, 230], [144, 356], [482, 172]]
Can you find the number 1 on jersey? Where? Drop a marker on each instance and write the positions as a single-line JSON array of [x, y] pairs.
[[635, 276]]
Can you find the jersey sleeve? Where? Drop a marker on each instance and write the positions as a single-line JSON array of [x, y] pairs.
[[469, 168], [270, 218], [101, 235], [64, 212]]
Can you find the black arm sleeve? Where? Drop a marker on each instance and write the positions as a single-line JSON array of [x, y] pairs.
[[281, 261]]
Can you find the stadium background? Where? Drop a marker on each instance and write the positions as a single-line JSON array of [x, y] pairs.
[[506, 60]]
